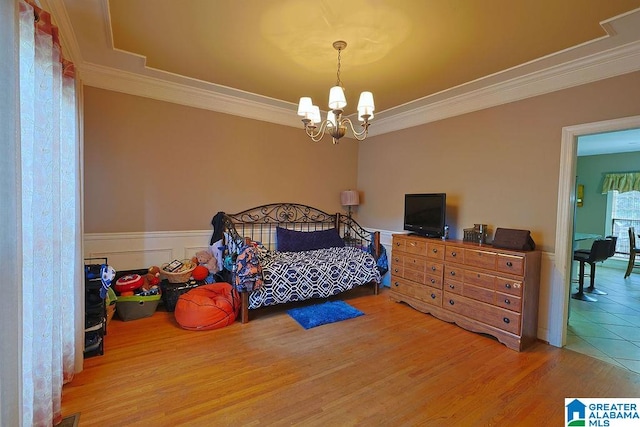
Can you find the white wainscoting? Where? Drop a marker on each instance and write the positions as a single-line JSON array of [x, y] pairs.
[[131, 251]]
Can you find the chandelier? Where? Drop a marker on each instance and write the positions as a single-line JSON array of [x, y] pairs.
[[335, 125]]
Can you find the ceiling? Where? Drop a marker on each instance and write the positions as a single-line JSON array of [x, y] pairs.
[[422, 59], [623, 141]]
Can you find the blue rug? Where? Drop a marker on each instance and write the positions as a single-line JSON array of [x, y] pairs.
[[320, 314]]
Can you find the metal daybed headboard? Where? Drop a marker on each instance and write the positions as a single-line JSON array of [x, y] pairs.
[[260, 223]]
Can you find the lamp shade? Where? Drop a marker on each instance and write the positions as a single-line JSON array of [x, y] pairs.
[[366, 102], [350, 198], [337, 100], [305, 105], [315, 114]]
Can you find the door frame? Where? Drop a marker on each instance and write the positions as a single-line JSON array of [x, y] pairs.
[[561, 276]]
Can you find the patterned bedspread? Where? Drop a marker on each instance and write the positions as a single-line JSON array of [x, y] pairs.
[[297, 276]]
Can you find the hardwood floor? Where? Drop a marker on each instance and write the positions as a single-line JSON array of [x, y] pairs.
[[392, 366]]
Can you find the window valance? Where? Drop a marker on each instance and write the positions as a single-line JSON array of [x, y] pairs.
[[622, 182]]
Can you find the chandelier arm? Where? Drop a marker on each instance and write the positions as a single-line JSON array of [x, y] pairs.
[[360, 136], [316, 136]]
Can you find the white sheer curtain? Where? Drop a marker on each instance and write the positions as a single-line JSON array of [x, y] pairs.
[[50, 217]]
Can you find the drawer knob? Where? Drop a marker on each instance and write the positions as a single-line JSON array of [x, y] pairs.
[[452, 286], [396, 270], [433, 296], [507, 285], [433, 268], [453, 273], [509, 264], [453, 254], [433, 281], [398, 244], [451, 302], [396, 283], [506, 320], [435, 251], [506, 301]]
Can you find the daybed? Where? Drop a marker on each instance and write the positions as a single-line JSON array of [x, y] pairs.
[[287, 252]]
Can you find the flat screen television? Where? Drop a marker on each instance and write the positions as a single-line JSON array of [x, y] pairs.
[[424, 214]]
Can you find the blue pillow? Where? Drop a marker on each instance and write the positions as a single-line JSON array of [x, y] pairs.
[[298, 241]]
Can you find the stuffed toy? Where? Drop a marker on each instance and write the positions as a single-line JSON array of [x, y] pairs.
[[205, 258], [151, 279]]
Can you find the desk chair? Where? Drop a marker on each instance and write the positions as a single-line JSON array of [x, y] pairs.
[[633, 250], [600, 250]]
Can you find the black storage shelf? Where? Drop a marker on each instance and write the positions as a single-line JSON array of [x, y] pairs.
[[95, 312]]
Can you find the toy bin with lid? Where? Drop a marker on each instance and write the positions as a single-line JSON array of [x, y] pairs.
[[136, 306]]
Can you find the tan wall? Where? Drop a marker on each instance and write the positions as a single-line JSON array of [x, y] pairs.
[[157, 166], [498, 166]]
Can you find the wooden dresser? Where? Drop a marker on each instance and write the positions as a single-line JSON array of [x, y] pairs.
[[478, 287]]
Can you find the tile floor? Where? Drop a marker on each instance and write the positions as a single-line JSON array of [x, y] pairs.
[[608, 329]]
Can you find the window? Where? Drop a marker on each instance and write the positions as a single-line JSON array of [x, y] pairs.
[[623, 212]]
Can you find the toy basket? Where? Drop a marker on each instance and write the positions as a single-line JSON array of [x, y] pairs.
[[171, 293], [178, 276]]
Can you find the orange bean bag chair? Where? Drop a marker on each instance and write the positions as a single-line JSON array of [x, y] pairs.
[[208, 307]]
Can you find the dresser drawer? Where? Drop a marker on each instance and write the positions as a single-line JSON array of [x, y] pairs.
[[513, 264], [491, 315], [416, 246], [399, 244], [434, 268], [480, 258], [415, 275], [454, 254], [435, 251], [397, 269], [478, 293], [452, 286], [417, 291], [510, 302], [414, 262], [433, 280], [397, 258], [509, 286], [477, 278], [453, 272]]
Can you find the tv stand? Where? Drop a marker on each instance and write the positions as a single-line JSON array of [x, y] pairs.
[[478, 287]]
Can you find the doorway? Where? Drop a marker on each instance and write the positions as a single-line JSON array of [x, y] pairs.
[[561, 279]]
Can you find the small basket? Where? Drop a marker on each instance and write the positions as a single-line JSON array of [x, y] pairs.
[[177, 277], [171, 293]]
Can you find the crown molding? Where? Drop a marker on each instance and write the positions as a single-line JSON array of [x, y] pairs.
[[234, 102], [615, 54], [457, 101]]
